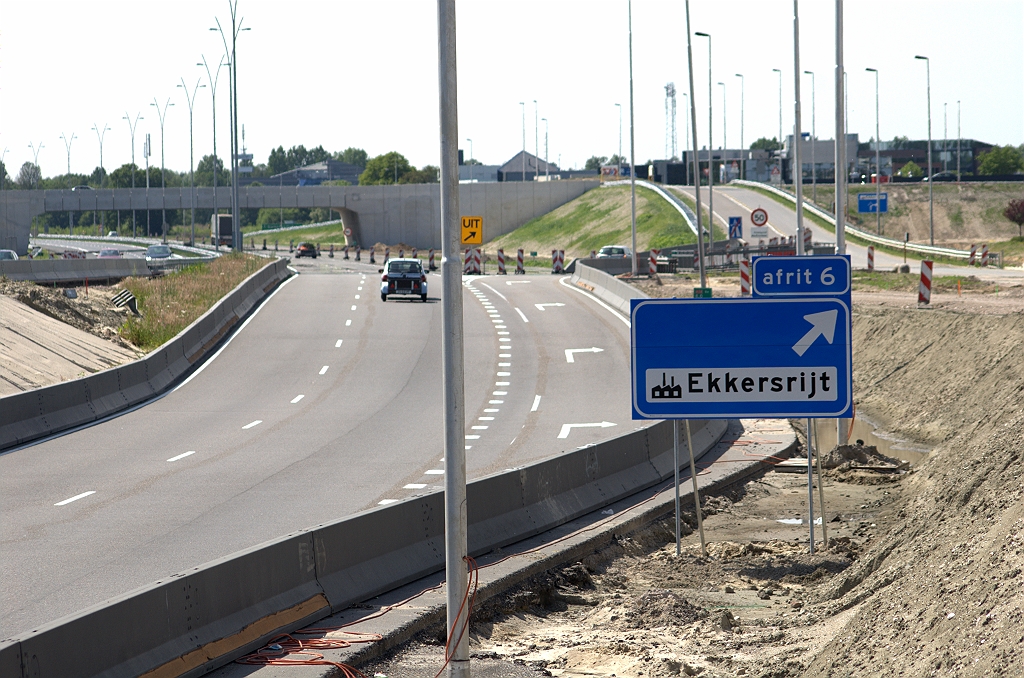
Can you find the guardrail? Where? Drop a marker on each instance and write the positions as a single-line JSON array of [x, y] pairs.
[[854, 231], [195, 621], [44, 411]]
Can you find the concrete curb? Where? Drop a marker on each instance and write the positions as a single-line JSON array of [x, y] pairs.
[[52, 409]]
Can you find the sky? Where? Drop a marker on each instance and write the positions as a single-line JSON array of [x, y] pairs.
[[343, 73]]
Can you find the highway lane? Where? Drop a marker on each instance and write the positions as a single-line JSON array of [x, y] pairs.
[[326, 403]]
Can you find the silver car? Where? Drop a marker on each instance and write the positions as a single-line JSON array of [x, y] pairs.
[[614, 252], [8, 255]]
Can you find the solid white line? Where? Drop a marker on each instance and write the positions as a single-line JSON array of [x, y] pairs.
[[536, 404], [522, 315], [297, 398], [250, 425], [75, 498], [348, 322], [494, 290], [338, 345], [473, 437], [415, 486], [435, 472], [353, 307], [591, 296], [182, 456], [385, 502], [323, 370]]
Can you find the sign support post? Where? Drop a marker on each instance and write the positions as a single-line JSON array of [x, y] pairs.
[[675, 461], [810, 486], [821, 487], [696, 493]]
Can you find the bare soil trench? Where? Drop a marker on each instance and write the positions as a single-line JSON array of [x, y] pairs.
[[922, 576]]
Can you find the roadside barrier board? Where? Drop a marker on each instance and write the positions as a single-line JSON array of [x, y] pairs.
[[730, 358]]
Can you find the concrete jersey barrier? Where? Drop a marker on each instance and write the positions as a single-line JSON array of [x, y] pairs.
[[59, 271], [45, 411]]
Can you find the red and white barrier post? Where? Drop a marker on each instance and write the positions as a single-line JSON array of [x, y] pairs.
[[520, 267], [924, 294], [501, 262], [401, 254], [984, 254], [974, 251], [345, 251], [871, 258], [467, 262], [414, 253], [557, 259], [593, 254], [807, 240], [652, 263], [387, 254], [745, 277], [430, 265]]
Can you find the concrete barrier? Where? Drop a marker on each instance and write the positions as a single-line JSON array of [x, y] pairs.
[[51, 409], [607, 288], [58, 271]]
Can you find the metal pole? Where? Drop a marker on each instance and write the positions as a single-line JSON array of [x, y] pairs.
[[928, 173], [213, 99], [711, 156], [693, 479], [675, 464], [163, 181], [958, 142], [878, 162], [725, 139], [522, 105], [536, 139], [620, 133], [103, 172], [798, 168], [814, 140], [779, 71], [842, 435], [821, 485], [945, 139], [547, 174], [146, 151], [452, 355], [743, 148], [632, 145], [67, 147], [810, 484], [696, 159]]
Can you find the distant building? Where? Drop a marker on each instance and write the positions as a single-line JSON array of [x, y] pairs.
[[316, 174], [478, 173], [525, 166], [895, 154]]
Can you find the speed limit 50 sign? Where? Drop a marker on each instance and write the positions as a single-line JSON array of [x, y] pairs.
[[759, 217]]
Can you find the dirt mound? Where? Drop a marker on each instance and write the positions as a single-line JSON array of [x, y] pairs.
[[90, 310], [659, 608], [849, 457]]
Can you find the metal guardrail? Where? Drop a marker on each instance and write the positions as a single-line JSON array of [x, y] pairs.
[[853, 230]]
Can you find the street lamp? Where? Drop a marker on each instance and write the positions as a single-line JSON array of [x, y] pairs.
[[814, 142], [619, 106], [945, 139], [67, 147], [931, 213], [536, 139], [522, 107], [743, 148], [35, 161], [213, 98], [725, 139], [779, 71], [132, 126], [470, 148], [711, 155], [191, 158], [103, 173], [163, 183], [546, 173], [878, 165], [232, 57]]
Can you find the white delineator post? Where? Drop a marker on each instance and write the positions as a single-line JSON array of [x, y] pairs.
[[452, 354], [974, 251], [924, 294], [871, 258], [652, 263], [501, 262], [593, 254], [745, 277], [984, 254], [520, 268]]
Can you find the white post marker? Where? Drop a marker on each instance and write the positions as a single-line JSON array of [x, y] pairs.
[[570, 351], [566, 428]]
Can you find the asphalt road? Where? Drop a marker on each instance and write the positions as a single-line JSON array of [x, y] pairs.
[[325, 403], [735, 201]]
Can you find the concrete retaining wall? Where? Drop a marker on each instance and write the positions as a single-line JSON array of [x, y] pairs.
[[44, 411], [59, 271]]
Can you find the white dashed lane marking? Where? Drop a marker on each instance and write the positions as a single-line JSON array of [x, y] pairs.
[[251, 424], [536, 404], [182, 456], [338, 344], [415, 486], [323, 370], [348, 323], [353, 307], [435, 472], [297, 398], [75, 498]]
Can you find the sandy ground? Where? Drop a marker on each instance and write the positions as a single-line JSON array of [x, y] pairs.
[[46, 338], [923, 574]]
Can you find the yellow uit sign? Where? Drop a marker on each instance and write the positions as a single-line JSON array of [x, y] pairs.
[[472, 230]]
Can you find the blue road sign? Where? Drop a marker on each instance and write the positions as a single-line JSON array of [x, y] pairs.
[[866, 203], [824, 276], [735, 227], [729, 358]]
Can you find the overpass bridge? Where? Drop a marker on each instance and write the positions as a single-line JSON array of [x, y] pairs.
[[406, 213]]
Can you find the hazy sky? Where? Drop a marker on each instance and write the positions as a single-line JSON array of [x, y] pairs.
[[346, 73]]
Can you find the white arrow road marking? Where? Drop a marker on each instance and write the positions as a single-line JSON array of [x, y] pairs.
[[518, 282], [540, 307], [569, 352], [823, 324], [182, 456], [75, 498], [568, 427]]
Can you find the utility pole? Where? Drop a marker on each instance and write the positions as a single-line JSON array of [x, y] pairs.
[[945, 140], [522, 108], [931, 204], [67, 146], [547, 174], [536, 139], [779, 71], [619, 106], [743, 148], [798, 168], [632, 144], [725, 138], [878, 165], [232, 56], [711, 152], [103, 172], [147, 150], [842, 425], [696, 158], [814, 141]]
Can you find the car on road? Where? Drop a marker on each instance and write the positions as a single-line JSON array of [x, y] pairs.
[[158, 252], [941, 176], [306, 249], [614, 252], [83, 187], [403, 276], [109, 254], [8, 255]]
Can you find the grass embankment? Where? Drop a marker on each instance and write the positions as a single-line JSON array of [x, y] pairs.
[[172, 302], [599, 217], [909, 282], [325, 235]]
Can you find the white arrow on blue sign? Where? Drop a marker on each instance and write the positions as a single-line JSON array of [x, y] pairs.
[[730, 358]]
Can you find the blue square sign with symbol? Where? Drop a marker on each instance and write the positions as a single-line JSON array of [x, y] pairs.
[[770, 358], [735, 227], [866, 203]]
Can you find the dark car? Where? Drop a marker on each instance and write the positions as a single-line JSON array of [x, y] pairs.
[[109, 254], [941, 176], [306, 249], [403, 276]]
